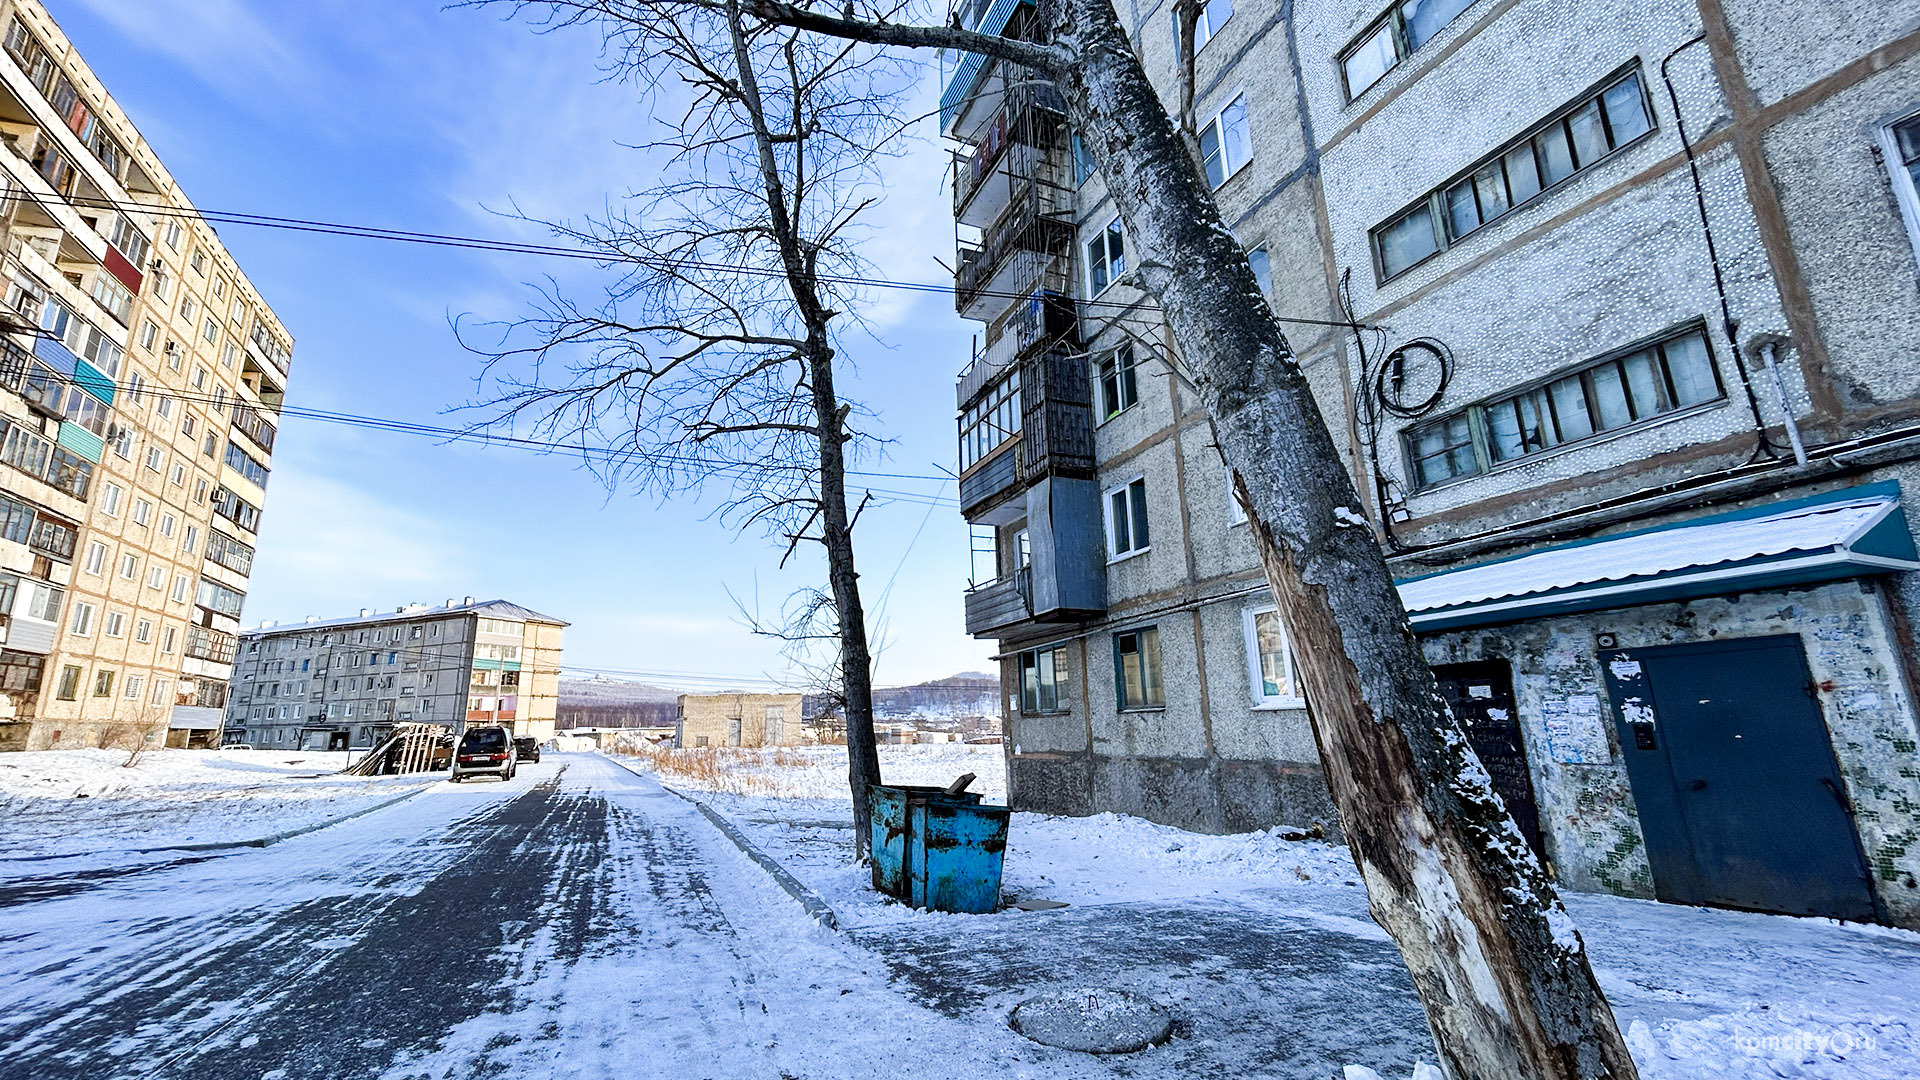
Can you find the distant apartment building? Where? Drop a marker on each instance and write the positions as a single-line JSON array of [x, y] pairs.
[[338, 683], [741, 720], [1630, 397], [140, 378]]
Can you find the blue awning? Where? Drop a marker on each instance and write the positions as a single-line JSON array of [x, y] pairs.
[[1841, 534]]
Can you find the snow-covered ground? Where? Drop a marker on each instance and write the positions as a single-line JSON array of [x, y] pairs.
[[1705, 993], [85, 803]]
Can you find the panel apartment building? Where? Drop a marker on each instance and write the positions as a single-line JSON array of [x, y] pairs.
[[1632, 398], [140, 375], [336, 683]]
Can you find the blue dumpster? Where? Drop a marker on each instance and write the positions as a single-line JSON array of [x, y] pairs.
[[958, 852], [961, 872]]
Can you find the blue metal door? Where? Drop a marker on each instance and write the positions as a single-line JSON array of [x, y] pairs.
[[1733, 774]]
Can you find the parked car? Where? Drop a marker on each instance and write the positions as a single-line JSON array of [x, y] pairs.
[[483, 751], [527, 748]]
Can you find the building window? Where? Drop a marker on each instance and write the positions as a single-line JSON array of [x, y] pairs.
[[1404, 28], [1083, 166], [1127, 519], [69, 688], [103, 683], [181, 583], [1621, 390], [166, 640], [149, 334], [167, 524], [1270, 661], [142, 512], [110, 499], [1213, 14], [1136, 663], [1044, 680], [191, 541], [1900, 145], [132, 692], [1236, 513], [1262, 264], [156, 577], [96, 558], [129, 566], [1119, 388], [82, 622], [1573, 140], [243, 463], [1106, 258], [989, 423], [1225, 145], [143, 631]]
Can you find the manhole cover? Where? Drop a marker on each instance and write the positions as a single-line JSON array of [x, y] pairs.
[[1096, 1020]]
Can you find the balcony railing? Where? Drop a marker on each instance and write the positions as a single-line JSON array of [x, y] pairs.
[[1013, 258], [248, 421], [1001, 602], [206, 643], [1014, 145], [1055, 434]]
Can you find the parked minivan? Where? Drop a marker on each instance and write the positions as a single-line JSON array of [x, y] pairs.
[[483, 751]]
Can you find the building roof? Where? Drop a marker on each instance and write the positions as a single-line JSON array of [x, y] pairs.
[[1841, 534], [490, 609]]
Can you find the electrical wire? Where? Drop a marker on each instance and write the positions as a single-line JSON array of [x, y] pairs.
[[517, 247]]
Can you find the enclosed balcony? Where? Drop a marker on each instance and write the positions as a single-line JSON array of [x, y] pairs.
[[970, 76], [1027, 413]]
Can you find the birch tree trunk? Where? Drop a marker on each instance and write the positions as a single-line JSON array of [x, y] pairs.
[[1505, 980]]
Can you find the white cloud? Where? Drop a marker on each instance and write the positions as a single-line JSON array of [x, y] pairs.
[[222, 42]]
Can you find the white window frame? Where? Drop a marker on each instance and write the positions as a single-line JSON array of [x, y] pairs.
[[1203, 27], [1107, 261], [1123, 377], [80, 624], [1904, 191], [1115, 555], [115, 624], [1217, 122], [130, 566], [1236, 514], [110, 499], [96, 563], [1256, 682]]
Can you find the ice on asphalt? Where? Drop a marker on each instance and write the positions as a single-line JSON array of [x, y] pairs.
[[690, 962]]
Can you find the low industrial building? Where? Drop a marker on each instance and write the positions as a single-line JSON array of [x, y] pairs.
[[335, 683], [740, 720]]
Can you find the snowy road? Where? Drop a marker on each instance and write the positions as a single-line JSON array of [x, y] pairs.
[[578, 921]]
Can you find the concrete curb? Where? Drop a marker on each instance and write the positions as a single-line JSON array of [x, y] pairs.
[[275, 838], [816, 908]]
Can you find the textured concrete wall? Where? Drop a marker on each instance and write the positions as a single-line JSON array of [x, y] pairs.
[[712, 717], [1587, 814]]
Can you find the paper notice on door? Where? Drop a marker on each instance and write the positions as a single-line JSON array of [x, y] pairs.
[[1575, 734], [1625, 669]]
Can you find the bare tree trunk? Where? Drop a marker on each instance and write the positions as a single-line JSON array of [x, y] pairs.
[[836, 528], [856, 659], [1506, 983]]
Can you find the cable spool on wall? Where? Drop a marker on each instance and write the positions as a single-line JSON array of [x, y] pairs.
[[1410, 381]]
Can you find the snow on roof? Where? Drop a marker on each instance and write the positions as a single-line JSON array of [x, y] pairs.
[[1822, 527], [492, 609]]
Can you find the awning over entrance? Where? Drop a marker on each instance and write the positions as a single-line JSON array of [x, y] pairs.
[[1841, 534]]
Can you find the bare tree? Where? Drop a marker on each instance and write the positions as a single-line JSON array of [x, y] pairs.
[[1504, 978], [713, 354], [135, 736]]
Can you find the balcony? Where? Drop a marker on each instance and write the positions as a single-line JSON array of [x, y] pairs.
[[1064, 580], [1025, 141], [1025, 251], [1008, 18], [1053, 437]]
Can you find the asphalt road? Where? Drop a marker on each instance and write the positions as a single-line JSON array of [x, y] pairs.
[[461, 933]]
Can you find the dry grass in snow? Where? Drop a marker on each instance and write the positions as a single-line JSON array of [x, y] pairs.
[[818, 772]]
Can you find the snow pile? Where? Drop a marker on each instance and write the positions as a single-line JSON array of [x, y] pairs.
[[71, 802]]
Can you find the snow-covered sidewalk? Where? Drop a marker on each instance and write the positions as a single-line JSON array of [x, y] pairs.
[[1265, 949], [84, 806]]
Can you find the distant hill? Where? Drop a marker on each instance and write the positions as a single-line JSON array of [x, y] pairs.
[[601, 702]]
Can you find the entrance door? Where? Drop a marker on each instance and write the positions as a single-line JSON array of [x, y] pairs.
[[1481, 696], [1733, 773]]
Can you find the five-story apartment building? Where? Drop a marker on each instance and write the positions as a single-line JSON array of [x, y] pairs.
[[142, 373], [1626, 388]]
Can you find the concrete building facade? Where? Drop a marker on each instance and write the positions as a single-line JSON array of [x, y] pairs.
[[340, 683], [1627, 391], [740, 720], [142, 375]]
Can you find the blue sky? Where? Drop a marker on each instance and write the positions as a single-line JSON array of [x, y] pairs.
[[398, 114]]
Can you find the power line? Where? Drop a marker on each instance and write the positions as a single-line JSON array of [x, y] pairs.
[[734, 470], [517, 247]]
